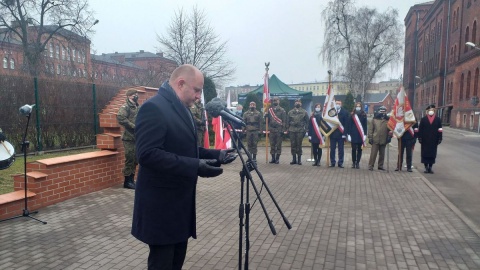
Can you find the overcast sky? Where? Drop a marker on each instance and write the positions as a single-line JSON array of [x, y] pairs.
[[286, 33]]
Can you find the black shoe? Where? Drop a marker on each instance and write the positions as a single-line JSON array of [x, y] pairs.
[[370, 169], [273, 159], [396, 169], [128, 183], [294, 160], [357, 166], [331, 165], [409, 170], [354, 165], [299, 160], [381, 169], [340, 166]]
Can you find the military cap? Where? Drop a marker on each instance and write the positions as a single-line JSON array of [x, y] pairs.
[[253, 103], [276, 98], [298, 100], [430, 107], [382, 109], [131, 92]]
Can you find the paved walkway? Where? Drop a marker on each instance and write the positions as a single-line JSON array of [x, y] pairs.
[[341, 218]]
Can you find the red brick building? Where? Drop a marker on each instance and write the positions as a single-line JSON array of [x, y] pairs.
[[438, 67], [67, 57]]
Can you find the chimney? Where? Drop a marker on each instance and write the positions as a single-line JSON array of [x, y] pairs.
[[142, 51], [159, 54]]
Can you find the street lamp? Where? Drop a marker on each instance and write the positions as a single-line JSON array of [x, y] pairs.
[[473, 45]]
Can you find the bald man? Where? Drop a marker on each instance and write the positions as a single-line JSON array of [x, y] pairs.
[[170, 163]]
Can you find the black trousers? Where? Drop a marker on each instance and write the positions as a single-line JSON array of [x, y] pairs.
[[406, 148], [316, 152], [356, 152], [167, 257]]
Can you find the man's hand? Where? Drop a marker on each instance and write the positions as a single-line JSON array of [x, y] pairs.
[[2, 136], [206, 168], [439, 141], [227, 156], [370, 141], [349, 138]]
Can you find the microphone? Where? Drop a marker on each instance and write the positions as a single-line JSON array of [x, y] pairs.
[[26, 109], [216, 107]]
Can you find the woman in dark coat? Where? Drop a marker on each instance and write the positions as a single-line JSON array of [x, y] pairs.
[[429, 136], [357, 133], [314, 135]]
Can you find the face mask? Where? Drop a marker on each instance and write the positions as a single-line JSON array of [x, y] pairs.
[[135, 98], [317, 109], [297, 105], [275, 103], [252, 108], [431, 113], [337, 106], [357, 109]]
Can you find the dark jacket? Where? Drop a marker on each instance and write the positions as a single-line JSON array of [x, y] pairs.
[[407, 138], [311, 131], [343, 118], [352, 129], [168, 155], [430, 135]]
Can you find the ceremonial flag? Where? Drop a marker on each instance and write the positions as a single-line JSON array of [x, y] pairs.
[[227, 140], [402, 117], [217, 124], [330, 117], [206, 139], [266, 93]]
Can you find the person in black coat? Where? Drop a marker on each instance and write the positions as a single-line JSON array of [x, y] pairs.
[[430, 136], [357, 133], [338, 136], [314, 134], [408, 140], [170, 162]]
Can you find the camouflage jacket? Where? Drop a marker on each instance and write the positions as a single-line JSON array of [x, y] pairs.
[[126, 117], [198, 113], [253, 120], [281, 115], [297, 120]]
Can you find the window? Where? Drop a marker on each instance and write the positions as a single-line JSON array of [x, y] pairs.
[[467, 31], [475, 83], [464, 120], [5, 62], [474, 33], [58, 70], [12, 63], [63, 53], [68, 53], [461, 87], [454, 25], [51, 49], [57, 52], [467, 93], [74, 53]]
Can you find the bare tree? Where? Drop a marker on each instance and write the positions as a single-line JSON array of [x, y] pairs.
[[360, 43], [33, 23], [191, 40]]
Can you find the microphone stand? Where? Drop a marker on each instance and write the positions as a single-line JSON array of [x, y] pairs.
[[244, 208], [25, 145]]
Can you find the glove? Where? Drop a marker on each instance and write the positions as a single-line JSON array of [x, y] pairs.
[[309, 138], [2, 137], [349, 138], [389, 139], [227, 156], [370, 141], [206, 168], [439, 141], [343, 136], [306, 133], [364, 138]]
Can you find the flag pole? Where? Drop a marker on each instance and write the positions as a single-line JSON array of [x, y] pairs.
[[400, 158], [266, 100], [328, 137]]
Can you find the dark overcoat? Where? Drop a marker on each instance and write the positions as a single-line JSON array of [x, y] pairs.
[[352, 129], [168, 155], [311, 130], [430, 135]]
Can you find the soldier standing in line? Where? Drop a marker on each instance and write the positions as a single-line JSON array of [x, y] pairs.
[[253, 122], [198, 113], [126, 117], [297, 123], [276, 126]]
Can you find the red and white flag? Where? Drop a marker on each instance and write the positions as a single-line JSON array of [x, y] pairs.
[[217, 124], [266, 93], [329, 112], [402, 117], [206, 139]]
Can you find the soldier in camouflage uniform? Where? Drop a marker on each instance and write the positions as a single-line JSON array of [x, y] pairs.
[[126, 117], [198, 113], [253, 121], [276, 126], [297, 124]]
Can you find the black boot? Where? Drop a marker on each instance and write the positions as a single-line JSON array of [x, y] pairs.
[[254, 157], [128, 182], [430, 168], [294, 160], [273, 159], [316, 162], [354, 164], [357, 165], [426, 168], [299, 162], [277, 159]]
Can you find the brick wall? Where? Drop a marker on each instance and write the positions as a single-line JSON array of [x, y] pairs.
[[53, 180]]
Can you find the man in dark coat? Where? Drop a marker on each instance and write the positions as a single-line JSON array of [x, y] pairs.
[[170, 161], [429, 136], [357, 133], [337, 138], [407, 142]]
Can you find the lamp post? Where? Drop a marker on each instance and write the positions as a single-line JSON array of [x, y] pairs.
[[473, 45], [94, 90], [423, 89]]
